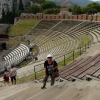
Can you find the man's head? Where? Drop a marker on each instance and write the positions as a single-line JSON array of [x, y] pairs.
[[49, 57], [5, 69], [12, 66]]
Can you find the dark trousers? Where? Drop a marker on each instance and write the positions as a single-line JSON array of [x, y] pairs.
[[46, 78]]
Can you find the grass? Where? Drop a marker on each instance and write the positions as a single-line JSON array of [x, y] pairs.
[[25, 79], [22, 27], [88, 79], [13, 42], [84, 40], [24, 63], [29, 78]]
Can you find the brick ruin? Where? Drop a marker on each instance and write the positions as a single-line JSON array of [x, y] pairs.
[[61, 17]]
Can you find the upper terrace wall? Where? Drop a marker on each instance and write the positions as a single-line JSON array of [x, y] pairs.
[[52, 17]]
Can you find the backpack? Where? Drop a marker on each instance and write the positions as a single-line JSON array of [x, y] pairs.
[[55, 72]]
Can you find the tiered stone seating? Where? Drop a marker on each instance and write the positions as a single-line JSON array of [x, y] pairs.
[[55, 41], [49, 36], [66, 25], [82, 68], [97, 34], [61, 41], [48, 40], [46, 24], [15, 56], [86, 28], [36, 31]]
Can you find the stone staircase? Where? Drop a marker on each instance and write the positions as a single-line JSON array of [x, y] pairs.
[[78, 90]]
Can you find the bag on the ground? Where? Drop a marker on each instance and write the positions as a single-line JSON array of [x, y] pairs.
[[55, 73]]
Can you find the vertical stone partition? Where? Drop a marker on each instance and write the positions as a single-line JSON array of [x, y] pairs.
[[31, 16], [57, 17], [39, 17], [89, 17], [84, 17], [75, 17], [66, 16], [26, 16], [49, 17], [80, 17], [94, 17], [98, 18], [72, 16], [53, 17], [61, 16], [44, 17], [22, 17]]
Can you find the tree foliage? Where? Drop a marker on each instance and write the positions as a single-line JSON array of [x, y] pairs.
[[40, 1], [21, 7], [33, 9], [48, 4], [89, 9], [52, 11], [3, 16], [76, 9], [9, 17], [93, 8]]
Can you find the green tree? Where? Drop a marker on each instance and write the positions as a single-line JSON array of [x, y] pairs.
[[93, 8], [33, 9], [40, 1], [9, 17], [18, 13], [48, 4], [3, 16], [76, 9], [70, 9], [28, 4], [13, 10], [84, 10], [21, 7], [52, 11]]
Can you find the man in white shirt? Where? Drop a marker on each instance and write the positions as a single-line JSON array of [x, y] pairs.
[[13, 74]]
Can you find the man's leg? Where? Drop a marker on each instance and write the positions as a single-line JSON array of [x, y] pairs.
[[14, 79], [52, 80], [44, 82]]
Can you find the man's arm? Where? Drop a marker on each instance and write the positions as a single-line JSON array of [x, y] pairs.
[[10, 74], [45, 72], [55, 65]]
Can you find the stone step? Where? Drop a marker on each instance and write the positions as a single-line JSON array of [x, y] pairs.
[[33, 91], [21, 91], [7, 91]]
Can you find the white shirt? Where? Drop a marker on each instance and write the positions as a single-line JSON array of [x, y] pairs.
[[13, 72]]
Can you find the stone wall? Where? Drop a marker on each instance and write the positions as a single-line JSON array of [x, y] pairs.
[[52, 17]]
